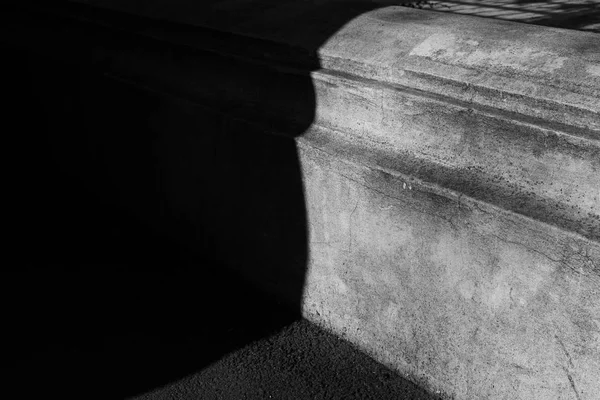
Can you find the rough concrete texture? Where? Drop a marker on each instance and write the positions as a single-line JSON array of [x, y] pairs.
[[509, 307], [536, 71], [502, 159], [450, 169], [488, 94]]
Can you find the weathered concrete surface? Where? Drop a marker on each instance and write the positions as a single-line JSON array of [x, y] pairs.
[[450, 172], [420, 119], [508, 307]]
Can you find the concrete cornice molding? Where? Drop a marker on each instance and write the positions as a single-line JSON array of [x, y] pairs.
[[547, 73]]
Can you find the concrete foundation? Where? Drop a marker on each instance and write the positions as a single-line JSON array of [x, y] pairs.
[[449, 168]]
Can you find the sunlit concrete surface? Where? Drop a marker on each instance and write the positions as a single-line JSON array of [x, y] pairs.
[[572, 14]]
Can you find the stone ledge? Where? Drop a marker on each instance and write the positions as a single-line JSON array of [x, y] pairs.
[[543, 72]]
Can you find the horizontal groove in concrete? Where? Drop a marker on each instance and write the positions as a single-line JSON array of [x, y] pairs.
[[326, 141], [545, 72], [478, 151], [391, 258]]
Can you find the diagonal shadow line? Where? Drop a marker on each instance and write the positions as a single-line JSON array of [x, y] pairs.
[[580, 9], [569, 21], [576, 19]]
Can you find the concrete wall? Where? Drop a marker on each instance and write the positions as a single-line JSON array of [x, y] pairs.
[[449, 168], [453, 189], [466, 298]]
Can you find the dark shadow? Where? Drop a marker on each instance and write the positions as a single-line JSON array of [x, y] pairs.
[[152, 233], [577, 19]]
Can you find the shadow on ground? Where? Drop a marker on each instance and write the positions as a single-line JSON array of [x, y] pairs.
[[146, 231]]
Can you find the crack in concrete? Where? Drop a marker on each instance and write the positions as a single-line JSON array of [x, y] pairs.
[[572, 382], [448, 220], [590, 260], [530, 248], [571, 365], [581, 255], [584, 257], [350, 226], [564, 349]]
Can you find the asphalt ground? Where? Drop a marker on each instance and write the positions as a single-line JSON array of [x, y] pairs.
[[301, 361]]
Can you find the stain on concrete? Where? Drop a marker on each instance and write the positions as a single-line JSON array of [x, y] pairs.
[[502, 55]]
